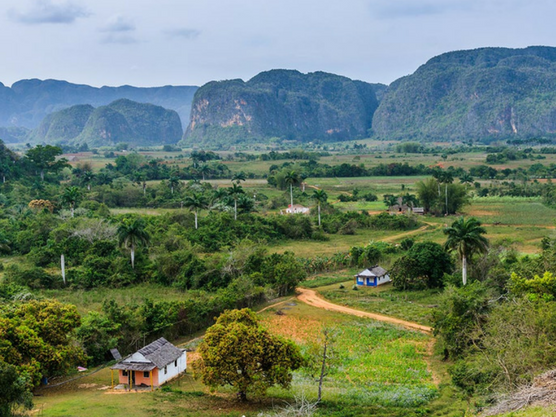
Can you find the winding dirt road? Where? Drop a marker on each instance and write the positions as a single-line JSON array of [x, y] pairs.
[[313, 299]]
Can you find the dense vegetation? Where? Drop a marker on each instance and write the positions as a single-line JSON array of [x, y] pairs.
[[121, 121], [281, 104], [476, 94]]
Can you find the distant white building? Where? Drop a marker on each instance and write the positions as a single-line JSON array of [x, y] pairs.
[[152, 365], [297, 208], [372, 277]]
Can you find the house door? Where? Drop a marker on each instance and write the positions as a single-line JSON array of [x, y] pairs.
[[133, 377]]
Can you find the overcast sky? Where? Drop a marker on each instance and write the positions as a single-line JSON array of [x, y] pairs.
[[191, 42]]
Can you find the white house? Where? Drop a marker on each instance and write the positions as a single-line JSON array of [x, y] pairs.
[[152, 365], [297, 208], [372, 277]]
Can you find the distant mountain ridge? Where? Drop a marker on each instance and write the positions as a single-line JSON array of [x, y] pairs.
[[28, 102], [138, 124], [473, 94], [283, 104]]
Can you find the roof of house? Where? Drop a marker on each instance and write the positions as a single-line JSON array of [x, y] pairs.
[[296, 206], [374, 271], [159, 354]]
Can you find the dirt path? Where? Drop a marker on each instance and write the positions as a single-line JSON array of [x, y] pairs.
[[405, 234], [313, 299]]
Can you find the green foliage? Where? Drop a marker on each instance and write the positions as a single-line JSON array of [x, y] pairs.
[[539, 286], [37, 338], [13, 391], [274, 99], [283, 272], [423, 266], [236, 351], [460, 311]]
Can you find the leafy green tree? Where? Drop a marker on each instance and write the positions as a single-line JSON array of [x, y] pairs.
[[237, 351], [465, 236], [37, 338], [131, 233], [320, 197], [195, 202], [87, 178], [71, 197], [427, 193], [292, 178], [423, 266], [44, 158], [235, 191], [204, 170], [390, 200], [13, 391]]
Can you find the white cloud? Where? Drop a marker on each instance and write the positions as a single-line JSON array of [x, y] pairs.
[[118, 23], [46, 11], [185, 33]]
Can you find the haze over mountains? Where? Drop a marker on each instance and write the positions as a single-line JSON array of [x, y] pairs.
[[487, 93]]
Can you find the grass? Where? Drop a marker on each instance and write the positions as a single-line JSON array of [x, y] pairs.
[[414, 306]]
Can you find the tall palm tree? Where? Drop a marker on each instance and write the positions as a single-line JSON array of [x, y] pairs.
[[466, 237], [195, 202], [204, 170], [235, 191], [446, 178], [173, 182], [291, 178], [87, 178], [238, 177], [131, 233], [320, 197], [70, 197]]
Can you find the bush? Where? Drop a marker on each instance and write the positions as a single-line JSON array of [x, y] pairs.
[[34, 277]]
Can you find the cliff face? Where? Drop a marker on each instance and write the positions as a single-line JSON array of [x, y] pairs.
[[124, 120], [281, 104], [28, 102], [482, 93]]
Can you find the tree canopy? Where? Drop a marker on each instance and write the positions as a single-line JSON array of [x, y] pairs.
[[237, 351]]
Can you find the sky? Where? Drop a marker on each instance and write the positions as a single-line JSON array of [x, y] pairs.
[[191, 42]]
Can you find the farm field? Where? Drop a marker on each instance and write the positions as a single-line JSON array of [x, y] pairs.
[[378, 370]]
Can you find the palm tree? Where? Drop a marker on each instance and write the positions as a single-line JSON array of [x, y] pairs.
[[71, 196], [446, 178], [291, 178], [466, 237], [235, 191], [320, 197], [238, 177], [131, 233], [466, 179], [173, 182], [204, 170], [195, 202], [87, 178]]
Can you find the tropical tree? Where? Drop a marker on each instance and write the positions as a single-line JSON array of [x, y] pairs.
[[204, 170], [70, 197], [44, 158], [320, 197], [131, 233], [291, 178], [466, 237], [195, 202], [466, 179], [173, 182], [446, 178], [235, 191], [390, 200], [238, 177], [87, 178], [237, 351]]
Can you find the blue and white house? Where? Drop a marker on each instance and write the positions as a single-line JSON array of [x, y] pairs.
[[372, 277]]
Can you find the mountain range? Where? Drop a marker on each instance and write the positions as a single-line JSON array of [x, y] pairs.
[[485, 94], [138, 124]]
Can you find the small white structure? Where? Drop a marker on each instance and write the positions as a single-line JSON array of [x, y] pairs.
[[297, 208], [152, 365], [372, 277]]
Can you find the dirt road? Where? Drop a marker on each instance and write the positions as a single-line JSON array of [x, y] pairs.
[[313, 299]]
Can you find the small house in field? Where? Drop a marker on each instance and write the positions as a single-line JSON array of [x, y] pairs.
[[297, 208], [372, 277], [152, 365]]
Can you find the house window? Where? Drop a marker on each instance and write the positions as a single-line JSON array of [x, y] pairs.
[[124, 373], [165, 370], [146, 374], [176, 363]]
